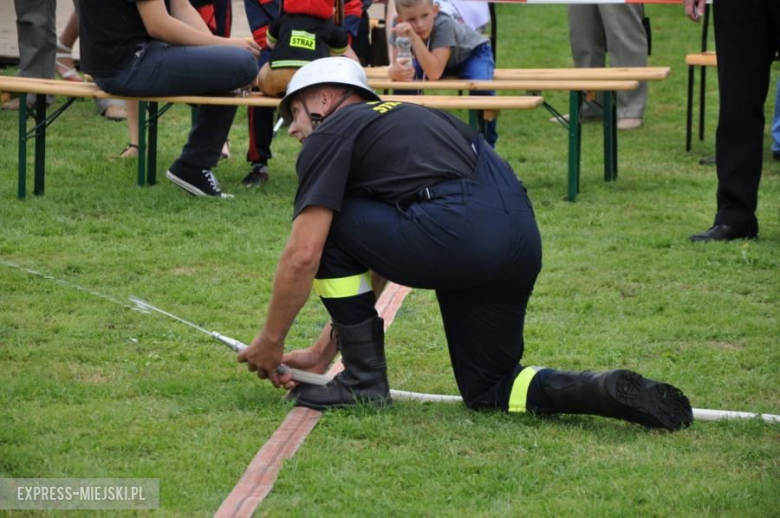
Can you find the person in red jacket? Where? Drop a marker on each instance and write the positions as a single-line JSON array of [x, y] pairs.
[[299, 38], [260, 14], [218, 15]]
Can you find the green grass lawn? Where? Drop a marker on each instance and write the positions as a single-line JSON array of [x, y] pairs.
[[90, 388]]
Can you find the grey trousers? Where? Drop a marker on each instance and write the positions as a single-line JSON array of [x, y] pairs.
[[596, 30], [36, 25]]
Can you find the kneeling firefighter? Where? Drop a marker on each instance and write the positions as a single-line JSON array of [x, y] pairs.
[[391, 190]]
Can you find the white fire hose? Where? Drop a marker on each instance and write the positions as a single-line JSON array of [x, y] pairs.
[[699, 414]]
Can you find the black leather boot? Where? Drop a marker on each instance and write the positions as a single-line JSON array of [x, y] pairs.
[[621, 394], [364, 378]]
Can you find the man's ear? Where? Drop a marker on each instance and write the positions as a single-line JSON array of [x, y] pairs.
[[325, 97], [435, 9]]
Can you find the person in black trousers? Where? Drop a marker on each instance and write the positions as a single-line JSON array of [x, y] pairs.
[[747, 37], [396, 191]]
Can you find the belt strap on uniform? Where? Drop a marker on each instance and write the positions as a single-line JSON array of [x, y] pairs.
[[444, 189]]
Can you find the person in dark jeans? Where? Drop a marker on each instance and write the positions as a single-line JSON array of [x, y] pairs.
[[157, 48], [747, 37]]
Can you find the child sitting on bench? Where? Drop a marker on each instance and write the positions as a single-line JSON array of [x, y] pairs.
[[441, 46]]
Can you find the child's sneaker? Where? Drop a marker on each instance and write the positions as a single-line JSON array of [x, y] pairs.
[[198, 182]]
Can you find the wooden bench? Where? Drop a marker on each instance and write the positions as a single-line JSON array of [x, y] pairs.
[[703, 60], [579, 82], [572, 74], [150, 112]]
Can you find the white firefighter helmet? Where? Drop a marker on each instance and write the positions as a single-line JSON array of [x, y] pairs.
[[333, 70]]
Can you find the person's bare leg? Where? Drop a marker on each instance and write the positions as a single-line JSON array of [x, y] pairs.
[[131, 107], [64, 65], [71, 32]]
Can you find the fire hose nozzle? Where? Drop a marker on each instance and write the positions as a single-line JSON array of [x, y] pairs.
[[304, 376], [297, 374], [234, 344]]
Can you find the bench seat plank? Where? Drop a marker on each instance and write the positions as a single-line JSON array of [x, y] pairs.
[[704, 59], [486, 107], [564, 74], [536, 86], [90, 90]]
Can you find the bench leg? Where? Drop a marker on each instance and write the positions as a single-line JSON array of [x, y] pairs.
[[689, 115], [151, 176], [141, 143], [40, 144], [478, 122], [22, 180], [702, 97], [474, 120], [610, 137], [575, 144], [579, 141], [614, 138]]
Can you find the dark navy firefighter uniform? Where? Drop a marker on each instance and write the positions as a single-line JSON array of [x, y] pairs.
[[422, 200]]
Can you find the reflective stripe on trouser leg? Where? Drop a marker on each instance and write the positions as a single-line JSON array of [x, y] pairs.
[[519, 394], [343, 287]]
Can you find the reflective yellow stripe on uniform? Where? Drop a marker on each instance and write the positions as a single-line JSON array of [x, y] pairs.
[[342, 287], [520, 389]]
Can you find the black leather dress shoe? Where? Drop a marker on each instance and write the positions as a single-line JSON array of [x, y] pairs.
[[723, 233]]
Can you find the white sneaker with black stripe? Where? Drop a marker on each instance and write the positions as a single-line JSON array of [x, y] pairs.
[[198, 182]]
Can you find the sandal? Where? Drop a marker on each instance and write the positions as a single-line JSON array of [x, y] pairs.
[[131, 151], [64, 65]]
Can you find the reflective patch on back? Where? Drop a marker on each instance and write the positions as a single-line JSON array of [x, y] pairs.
[[303, 40], [383, 106]]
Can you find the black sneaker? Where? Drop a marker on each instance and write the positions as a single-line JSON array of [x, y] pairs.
[[198, 182], [257, 176]]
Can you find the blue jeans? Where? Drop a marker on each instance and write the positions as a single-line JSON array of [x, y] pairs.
[[159, 70], [478, 66], [776, 122]]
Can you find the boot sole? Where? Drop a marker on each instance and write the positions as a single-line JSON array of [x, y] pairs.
[[322, 407], [648, 402]]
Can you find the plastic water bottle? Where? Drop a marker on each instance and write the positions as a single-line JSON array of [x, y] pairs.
[[404, 54], [243, 91]]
